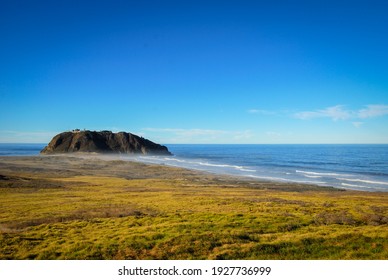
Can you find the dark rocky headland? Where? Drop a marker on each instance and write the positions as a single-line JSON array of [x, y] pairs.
[[102, 142]]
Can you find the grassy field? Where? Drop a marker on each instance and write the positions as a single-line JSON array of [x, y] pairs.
[[75, 208]]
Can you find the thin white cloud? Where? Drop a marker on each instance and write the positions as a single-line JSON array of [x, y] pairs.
[[335, 113], [188, 132], [243, 135], [339, 112], [196, 135], [261, 112], [357, 124], [372, 111]]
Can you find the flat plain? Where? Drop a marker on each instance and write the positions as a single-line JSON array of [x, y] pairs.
[[68, 207]]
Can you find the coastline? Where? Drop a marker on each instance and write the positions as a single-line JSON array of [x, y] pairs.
[[67, 207], [65, 165], [350, 167]]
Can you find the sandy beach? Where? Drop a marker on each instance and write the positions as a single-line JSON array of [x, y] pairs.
[[68, 207], [64, 166]]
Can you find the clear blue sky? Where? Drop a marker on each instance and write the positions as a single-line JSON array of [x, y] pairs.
[[196, 71]]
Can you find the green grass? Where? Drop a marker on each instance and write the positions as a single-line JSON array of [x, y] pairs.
[[99, 217]]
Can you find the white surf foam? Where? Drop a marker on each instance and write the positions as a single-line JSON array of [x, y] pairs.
[[237, 167], [175, 159], [364, 181], [321, 173], [267, 178], [312, 176], [355, 186]]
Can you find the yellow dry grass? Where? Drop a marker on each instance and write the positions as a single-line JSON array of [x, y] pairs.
[[44, 215]]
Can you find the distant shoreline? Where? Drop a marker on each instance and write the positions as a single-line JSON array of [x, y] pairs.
[[66, 165], [78, 164], [351, 167]]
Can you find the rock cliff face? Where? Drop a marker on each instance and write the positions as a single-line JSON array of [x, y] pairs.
[[102, 142]]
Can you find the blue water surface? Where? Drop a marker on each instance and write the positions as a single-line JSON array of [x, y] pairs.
[[359, 167], [20, 149]]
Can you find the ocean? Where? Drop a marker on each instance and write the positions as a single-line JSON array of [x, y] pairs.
[[357, 167], [20, 149]]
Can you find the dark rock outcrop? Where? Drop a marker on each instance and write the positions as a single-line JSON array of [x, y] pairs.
[[102, 142]]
